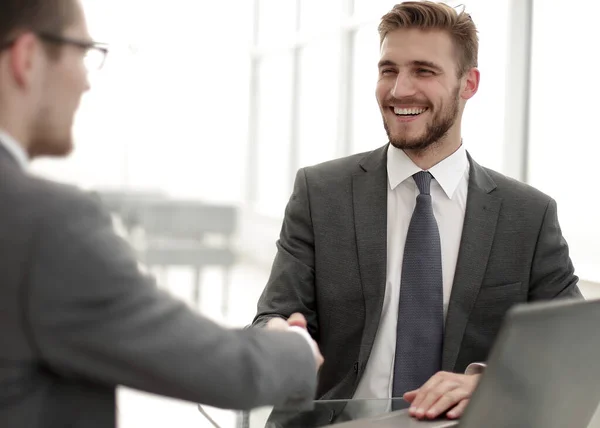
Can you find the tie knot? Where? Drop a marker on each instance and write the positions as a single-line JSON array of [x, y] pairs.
[[423, 180]]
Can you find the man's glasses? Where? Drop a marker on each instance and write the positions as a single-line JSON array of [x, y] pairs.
[[95, 53]]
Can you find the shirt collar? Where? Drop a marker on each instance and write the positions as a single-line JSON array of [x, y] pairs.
[[447, 173], [14, 148]]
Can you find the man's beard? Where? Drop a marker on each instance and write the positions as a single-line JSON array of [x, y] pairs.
[[50, 136], [436, 130]]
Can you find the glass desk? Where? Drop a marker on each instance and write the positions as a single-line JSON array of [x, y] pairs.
[[323, 413]]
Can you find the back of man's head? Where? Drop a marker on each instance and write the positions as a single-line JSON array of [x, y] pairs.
[[48, 16]]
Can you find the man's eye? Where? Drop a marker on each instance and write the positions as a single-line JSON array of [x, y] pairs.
[[425, 72], [387, 71]]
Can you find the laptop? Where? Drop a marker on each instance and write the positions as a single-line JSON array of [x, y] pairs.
[[543, 372]]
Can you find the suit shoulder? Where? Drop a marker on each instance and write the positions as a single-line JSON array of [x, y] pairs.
[[511, 188], [345, 166], [52, 198]]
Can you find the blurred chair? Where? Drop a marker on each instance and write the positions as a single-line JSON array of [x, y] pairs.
[[180, 233], [189, 233], [125, 203]]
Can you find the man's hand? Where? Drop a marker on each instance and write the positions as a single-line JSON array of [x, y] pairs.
[[297, 321], [443, 392]]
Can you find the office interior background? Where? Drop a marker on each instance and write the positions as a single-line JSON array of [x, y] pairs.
[[207, 109]]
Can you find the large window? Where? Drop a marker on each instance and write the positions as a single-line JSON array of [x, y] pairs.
[[318, 101], [483, 121], [564, 141], [367, 124], [169, 110], [274, 130]]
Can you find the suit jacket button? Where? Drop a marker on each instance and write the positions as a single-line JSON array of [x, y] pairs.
[[331, 415]]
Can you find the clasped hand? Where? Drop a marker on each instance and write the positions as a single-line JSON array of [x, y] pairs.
[[444, 392]]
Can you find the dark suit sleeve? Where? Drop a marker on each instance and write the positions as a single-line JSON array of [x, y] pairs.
[[93, 315], [291, 285], [552, 272]]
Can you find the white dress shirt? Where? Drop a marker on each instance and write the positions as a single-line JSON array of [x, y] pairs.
[[14, 148], [449, 197]]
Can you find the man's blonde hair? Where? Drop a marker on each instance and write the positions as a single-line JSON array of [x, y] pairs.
[[429, 15]]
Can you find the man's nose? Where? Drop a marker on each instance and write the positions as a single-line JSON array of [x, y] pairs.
[[403, 87]]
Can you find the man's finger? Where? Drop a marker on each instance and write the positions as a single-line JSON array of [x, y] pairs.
[[297, 319], [277, 324], [458, 410], [441, 390], [446, 402], [410, 395], [320, 360], [424, 390]]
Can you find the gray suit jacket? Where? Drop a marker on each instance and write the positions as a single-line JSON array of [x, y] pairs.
[[78, 318], [331, 263]]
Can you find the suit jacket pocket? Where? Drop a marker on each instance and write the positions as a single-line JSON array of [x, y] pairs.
[[501, 285], [500, 296], [489, 311], [485, 319]]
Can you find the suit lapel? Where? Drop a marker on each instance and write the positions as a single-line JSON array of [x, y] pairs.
[[369, 191], [479, 227]]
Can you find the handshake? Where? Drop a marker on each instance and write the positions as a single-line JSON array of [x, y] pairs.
[[296, 323]]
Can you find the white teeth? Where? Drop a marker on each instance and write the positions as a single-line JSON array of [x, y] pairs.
[[413, 111]]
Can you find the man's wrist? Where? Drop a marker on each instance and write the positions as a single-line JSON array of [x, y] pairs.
[[302, 332]]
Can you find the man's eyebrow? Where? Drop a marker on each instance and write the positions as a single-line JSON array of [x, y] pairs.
[[386, 63], [417, 63], [428, 64]]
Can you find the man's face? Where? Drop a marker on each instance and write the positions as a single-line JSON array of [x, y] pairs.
[[64, 82], [419, 93]]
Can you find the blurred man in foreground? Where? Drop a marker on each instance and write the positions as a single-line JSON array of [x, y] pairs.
[[77, 317]]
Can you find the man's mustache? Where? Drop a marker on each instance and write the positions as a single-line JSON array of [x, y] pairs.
[[407, 102]]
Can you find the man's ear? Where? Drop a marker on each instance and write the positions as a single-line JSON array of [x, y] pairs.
[[24, 59], [471, 84]]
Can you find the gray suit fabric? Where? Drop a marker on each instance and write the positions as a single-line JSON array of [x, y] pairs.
[[331, 263], [78, 318]]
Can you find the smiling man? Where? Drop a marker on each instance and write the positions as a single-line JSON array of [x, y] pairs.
[[404, 260]]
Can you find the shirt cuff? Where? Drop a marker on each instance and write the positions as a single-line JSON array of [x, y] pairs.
[[302, 332], [475, 368]]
